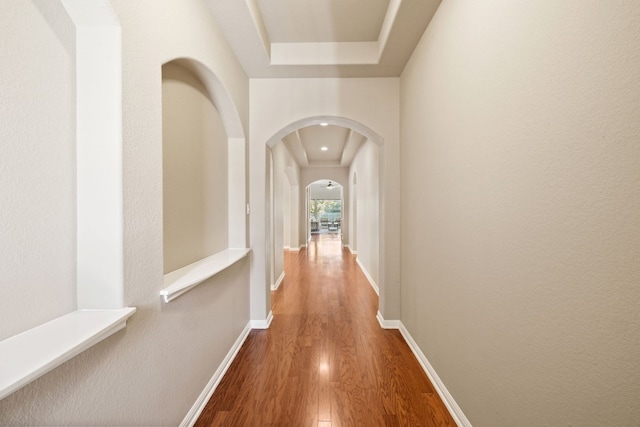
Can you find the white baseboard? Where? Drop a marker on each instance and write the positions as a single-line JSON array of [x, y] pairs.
[[276, 285], [262, 324], [374, 285], [196, 409], [387, 324], [351, 250], [294, 249], [455, 411]]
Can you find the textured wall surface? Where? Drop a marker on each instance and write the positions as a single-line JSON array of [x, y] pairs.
[[194, 172], [151, 373], [367, 204], [37, 165], [281, 159], [520, 200]]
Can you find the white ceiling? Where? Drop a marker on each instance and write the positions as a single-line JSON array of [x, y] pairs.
[[320, 190], [305, 146], [323, 38], [323, 21]]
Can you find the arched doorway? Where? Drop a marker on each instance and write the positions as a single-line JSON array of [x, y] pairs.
[[368, 106], [325, 200], [324, 207]]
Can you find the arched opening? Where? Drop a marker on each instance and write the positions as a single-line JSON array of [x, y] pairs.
[[195, 183], [324, 209], [204, 194]]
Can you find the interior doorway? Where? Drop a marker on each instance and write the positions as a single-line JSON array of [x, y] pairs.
[[367, 163], [325, 207]]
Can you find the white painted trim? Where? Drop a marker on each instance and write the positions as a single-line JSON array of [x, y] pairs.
[[455, 411], [351, 250], [31, 354], [294, 249], [186, 278], [276, 285], [286, 248], [197, 408], [99, 190], [262, 324], [374, 285], [387, 324]]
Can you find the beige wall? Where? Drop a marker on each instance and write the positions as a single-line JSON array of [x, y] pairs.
[[37, 165], [366, 198], [283, 194], [194, 171], [152, 372], [520, 195]]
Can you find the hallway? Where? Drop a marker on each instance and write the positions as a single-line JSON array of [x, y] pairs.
[[325, 360]]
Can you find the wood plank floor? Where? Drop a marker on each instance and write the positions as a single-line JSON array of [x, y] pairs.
[[325, 361]]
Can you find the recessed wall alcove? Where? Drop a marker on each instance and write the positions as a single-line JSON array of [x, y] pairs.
[[65, 155], [203, 180]]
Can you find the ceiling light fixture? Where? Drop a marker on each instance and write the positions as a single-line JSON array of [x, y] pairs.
[[330, 185], [324, 148], [324, 124]]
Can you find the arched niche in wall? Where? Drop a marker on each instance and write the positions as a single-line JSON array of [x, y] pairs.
[[203, 178], [194, 170], [71, 189]]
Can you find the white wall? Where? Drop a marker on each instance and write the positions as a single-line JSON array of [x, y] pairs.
[[152, 372], [292, 212], [520, 196], [283, 194], [286, 215], [352, 215], [195, 184], [365, 166], [37, 166]]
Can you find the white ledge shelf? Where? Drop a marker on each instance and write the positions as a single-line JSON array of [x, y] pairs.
[[186, 278], [30, 354]]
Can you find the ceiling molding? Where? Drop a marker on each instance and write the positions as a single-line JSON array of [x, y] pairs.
[[258, 23], [351, 147], [387, 25], [325, 53], [294, 53], [324, 164], [346, 53]]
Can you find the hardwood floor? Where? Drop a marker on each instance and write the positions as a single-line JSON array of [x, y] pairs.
[[325, 361]]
